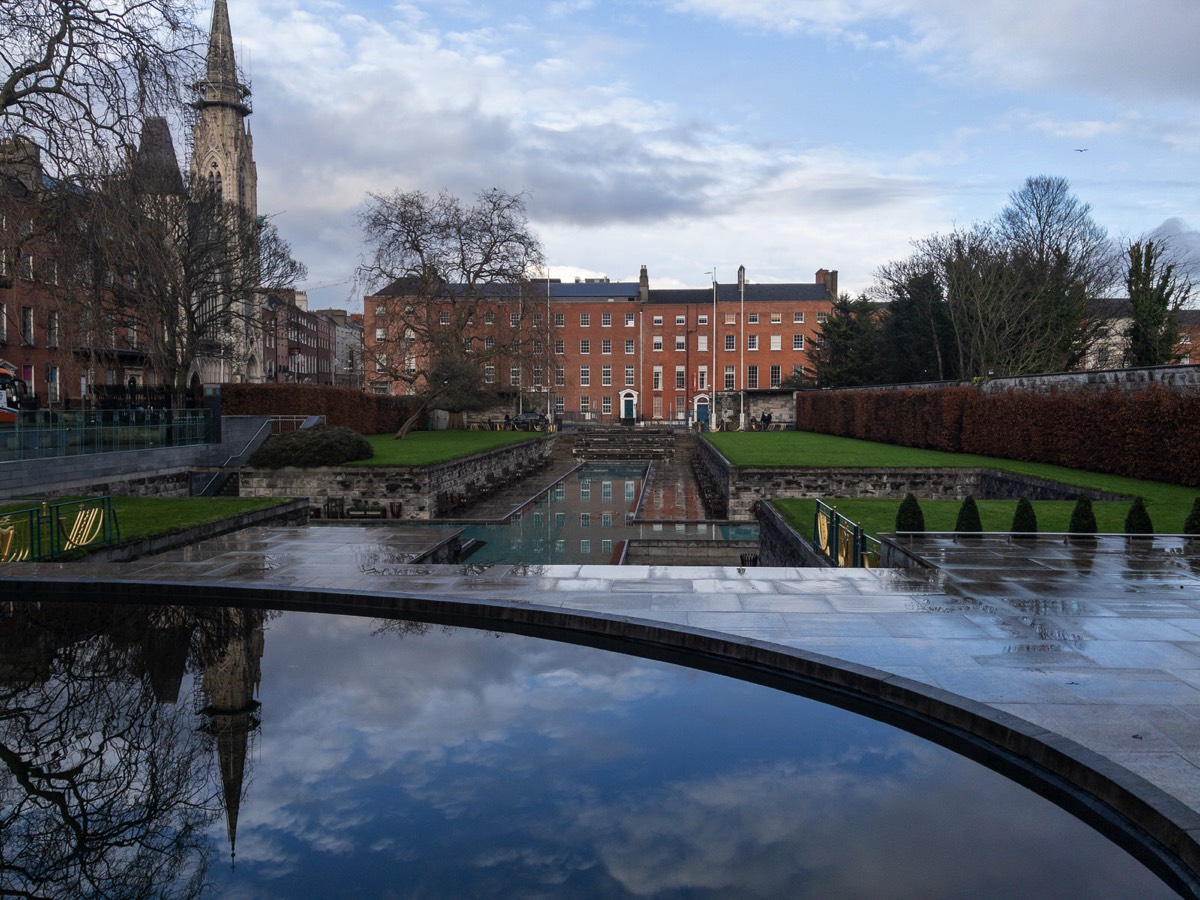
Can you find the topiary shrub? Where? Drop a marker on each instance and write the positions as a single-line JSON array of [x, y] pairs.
[[968, 521], [1137, 520], [910, 517], [320, 446], [1191, 525], [1024, 518], [1083, 518]]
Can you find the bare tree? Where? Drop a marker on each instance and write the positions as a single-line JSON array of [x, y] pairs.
[[456, 309], [78, 76]]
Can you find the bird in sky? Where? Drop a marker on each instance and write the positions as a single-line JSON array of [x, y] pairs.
[[1081, 149]]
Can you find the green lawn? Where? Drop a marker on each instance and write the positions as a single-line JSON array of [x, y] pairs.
[[1167, 504], [423, 448]]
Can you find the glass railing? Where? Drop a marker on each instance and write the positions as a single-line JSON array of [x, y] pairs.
[[44, 434]]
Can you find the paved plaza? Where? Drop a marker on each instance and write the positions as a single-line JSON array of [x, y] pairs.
[[1096, 641]]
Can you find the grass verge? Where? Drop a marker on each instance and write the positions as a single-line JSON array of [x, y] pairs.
[[423, 448]]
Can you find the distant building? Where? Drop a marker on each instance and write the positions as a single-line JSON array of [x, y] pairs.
[[347, 346], [1113, 317], [298, 345], [621, 351]]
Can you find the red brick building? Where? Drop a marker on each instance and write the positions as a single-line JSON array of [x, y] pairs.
[[622, 351]]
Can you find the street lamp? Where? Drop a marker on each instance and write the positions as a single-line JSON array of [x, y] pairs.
[[712, 407]]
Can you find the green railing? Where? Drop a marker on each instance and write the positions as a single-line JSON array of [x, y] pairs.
[[843, 542], [47, 434], [50, 530]]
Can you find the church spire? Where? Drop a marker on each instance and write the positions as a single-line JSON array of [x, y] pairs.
[[221, 86]]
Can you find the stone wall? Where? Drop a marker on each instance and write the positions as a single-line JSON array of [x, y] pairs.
[[671, 552], [415, 488], [779, 544], [1179, 379]]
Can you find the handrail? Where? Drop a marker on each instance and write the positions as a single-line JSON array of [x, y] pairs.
[[51, 529], [843, 542], [217, 474]]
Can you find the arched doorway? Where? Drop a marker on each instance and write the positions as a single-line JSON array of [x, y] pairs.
[[701, 406], [628, 407]]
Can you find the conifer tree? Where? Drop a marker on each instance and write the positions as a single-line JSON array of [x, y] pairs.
[[910, 517], [1024, 518], [1192, 524], [968, 521], [1083, 519], [1137, 520]]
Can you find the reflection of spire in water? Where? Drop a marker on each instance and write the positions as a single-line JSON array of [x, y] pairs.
[[231, 647]]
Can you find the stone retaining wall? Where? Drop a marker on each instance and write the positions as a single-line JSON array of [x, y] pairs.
[[672, 552], [780, 544], [415, 488]]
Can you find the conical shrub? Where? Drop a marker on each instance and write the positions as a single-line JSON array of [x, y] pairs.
[[968, 521], [1192, 524], [910, 517], [1083, 519], [1024, 518], [1137, 520]]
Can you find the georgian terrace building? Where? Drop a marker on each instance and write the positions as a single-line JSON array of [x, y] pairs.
[[621, 351]]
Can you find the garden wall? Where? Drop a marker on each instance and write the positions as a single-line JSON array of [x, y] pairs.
[[420, 490], [1152, 433], [348, 407]]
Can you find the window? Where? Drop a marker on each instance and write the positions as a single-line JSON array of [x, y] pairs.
[[681, 320], [585, 320], [537, 348], [606, 376], [27, 266], [680, 378], [380, 335], [702, 320], [585, 376], [560, 404], [52, 382], [537, 376], [822, 318], [629, 376], [560, 346], [489, 374], [777, 342], [729, 378], [656, 384], [585, 346], [797, 318], [752, 318], [658, 342], [730, 318], [606, 320], [560, 376], [797, 342], [752, 342], [444, 317], [585, 407], [820, 340], [537, 320], [52, 329], [629, 320], [680, 343], [27, 326], [514, 376], [658, 320], [629, 347], [606, 409], [657, 405], [702, 379], [52, 271], [489, 342], [776, 376], [514, 319], [731, 342], [702, 343], [3, 324], [776, 318], [752, 377], [606, 346], [559, 320], [466, 345]]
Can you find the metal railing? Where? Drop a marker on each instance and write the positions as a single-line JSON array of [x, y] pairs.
[[50, 530], [843, 542], [43, 434]]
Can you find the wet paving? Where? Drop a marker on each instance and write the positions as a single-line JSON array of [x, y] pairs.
[[1098, 642]]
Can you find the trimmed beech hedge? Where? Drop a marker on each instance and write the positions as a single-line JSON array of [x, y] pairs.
[[1150, 433], [345, 407]]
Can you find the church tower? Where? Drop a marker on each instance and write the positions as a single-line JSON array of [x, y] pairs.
[[223, 148]]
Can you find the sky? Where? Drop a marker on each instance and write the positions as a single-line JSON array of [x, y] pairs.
[[699, 135]]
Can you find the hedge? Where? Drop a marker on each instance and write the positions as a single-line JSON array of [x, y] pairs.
[[345, 407], [1151, 433]]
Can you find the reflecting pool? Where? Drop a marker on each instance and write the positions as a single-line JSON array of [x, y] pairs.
[[174, 751], [587, 518]]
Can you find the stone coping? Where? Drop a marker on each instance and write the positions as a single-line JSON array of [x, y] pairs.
[[1161, 831]]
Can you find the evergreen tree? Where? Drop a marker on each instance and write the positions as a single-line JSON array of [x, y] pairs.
[[1083, 519], [1137, 520], [910, 516], [968, 521], [847, 349], [1156, 291], [1192, 524], [1024, 518]]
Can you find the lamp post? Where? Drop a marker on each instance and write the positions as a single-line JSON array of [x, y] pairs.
[[712, 407]]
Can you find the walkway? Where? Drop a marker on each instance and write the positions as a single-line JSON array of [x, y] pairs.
[[1099, 645]]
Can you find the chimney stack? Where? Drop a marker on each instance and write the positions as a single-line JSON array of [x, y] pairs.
[[644, 285]]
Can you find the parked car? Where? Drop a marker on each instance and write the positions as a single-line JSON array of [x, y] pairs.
[[530, 421]]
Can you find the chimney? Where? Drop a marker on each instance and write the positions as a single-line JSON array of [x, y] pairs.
[[644, 285], [829, 279]]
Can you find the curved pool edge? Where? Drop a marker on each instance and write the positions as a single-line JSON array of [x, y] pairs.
[[1162, 831]]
